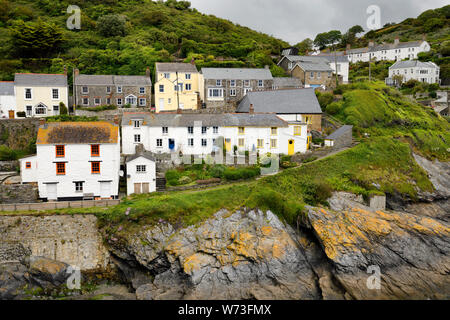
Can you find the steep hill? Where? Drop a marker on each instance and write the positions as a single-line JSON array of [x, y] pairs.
[[123, 37]]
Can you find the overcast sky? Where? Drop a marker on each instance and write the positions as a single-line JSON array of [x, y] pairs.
[[295, 20]]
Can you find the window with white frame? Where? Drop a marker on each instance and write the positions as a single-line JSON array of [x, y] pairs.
[[232, 92], [137, 138], [141, 168], [178, 87], [311, 75], [119, 101], [84, 89], [159, 143], [79, 186], [188, 87], [165, 130], [215, 129], [28, 94], [119, 89], [167, 75], [137, 123], [187, 76], [131, 99], [29, 110], [190, 142], [190, 130], [108, 101], [142, 102], [204, 130], [215, 93], [232, 83], [141, 90], [260, 83], [204, 142], [55, 94], [319, 75], [246, 83], [40, 109], [161, 88], [219, 83], [273, 143], [97, 101], [55, 109], [108, 89], [85, 101]]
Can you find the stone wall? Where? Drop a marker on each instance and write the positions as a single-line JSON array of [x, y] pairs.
[[8, 166], [18, 133], [74, 240], [18, 193], [109, 115]]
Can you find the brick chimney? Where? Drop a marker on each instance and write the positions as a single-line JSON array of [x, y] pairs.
[[147, 72], [251, 109], [371, 43], [397, 40], [139, 148], [65, 70], [76, 72]]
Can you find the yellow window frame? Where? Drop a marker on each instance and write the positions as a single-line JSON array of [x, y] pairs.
[[241, 130], [297, 130], [273, 143], [273, 131], [260, 143]]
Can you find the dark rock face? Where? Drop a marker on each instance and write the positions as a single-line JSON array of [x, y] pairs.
[[244, 255], [412, 252]]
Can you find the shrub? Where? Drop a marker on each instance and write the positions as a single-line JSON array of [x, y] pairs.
[[99, 108], [172, 177], [184, 180], [325, 99], [21, 114], [111, 25], [7, 154], [62, 108], [217, 171], [334, 108], [241, 173], [433, 94]]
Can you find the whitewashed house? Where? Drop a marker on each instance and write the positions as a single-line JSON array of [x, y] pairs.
[[200, 134], [141, 172], [339, 63], [7, 100], [427, 72], [75, 161], [40, 95]]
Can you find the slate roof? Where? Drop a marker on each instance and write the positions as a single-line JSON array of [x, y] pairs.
[[412, 64], [111, 80], [400, 45], [208, 120], [40, 79], [175, 67], [78, 132], [339, 132], [236, 73], [294, 101], [6, 88], [287, 82], [310, 63], [331, 59], [146, 154]]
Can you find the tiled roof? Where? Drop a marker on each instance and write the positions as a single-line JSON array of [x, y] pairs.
[[175, 67], [287, 82], [339, 132], [207, 120], [412, 64], [6, 88], [294, 101], [40, 79], [78, 133], [146, 154], [310, 63], [105, 80], [236, 73]]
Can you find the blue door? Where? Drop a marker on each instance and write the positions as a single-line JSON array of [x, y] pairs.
[[171, 144]]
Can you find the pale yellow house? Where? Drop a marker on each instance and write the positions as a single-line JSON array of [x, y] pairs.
[[40, 95], [176, 87]]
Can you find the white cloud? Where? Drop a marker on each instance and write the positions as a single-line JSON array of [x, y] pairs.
[[295, 20]]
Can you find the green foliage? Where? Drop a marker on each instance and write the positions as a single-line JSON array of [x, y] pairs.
[[7, 154], [111, 25], [304, 46], [38, 38], [98, 108], [232, 173], [63, 109], [172, 177], [325, 99], [325, 39], [69, 118]]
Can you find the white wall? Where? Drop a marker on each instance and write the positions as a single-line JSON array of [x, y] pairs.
[[138, 177], [343, 68], [180, 135], [78, 168], [7, 103], [391, 54], [431, 75], [31, 174]]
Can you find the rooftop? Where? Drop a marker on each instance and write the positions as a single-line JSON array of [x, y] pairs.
[[40, 79], [175, 67], [287, 82], [87, 79], [339, 132], [412, 64], [6, 88], [236, 73], [78, 133], [293, 101], [207, 120]]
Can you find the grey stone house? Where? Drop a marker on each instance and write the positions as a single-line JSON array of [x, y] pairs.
[[98, 90], [225, 87]]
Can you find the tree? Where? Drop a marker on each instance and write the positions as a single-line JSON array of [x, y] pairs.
[[356, 30], [304, 46], [325, 39], [62, 108], [111, 25], [36, 39]]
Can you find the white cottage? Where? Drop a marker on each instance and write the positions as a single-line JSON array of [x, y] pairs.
[[141, 173], [200, 134], [427, 72], [7, 100], [75, 161]]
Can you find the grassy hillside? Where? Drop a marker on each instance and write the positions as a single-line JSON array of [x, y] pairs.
[[123, 37]]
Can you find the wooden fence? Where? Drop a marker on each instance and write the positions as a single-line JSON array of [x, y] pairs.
[[43, 206]]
